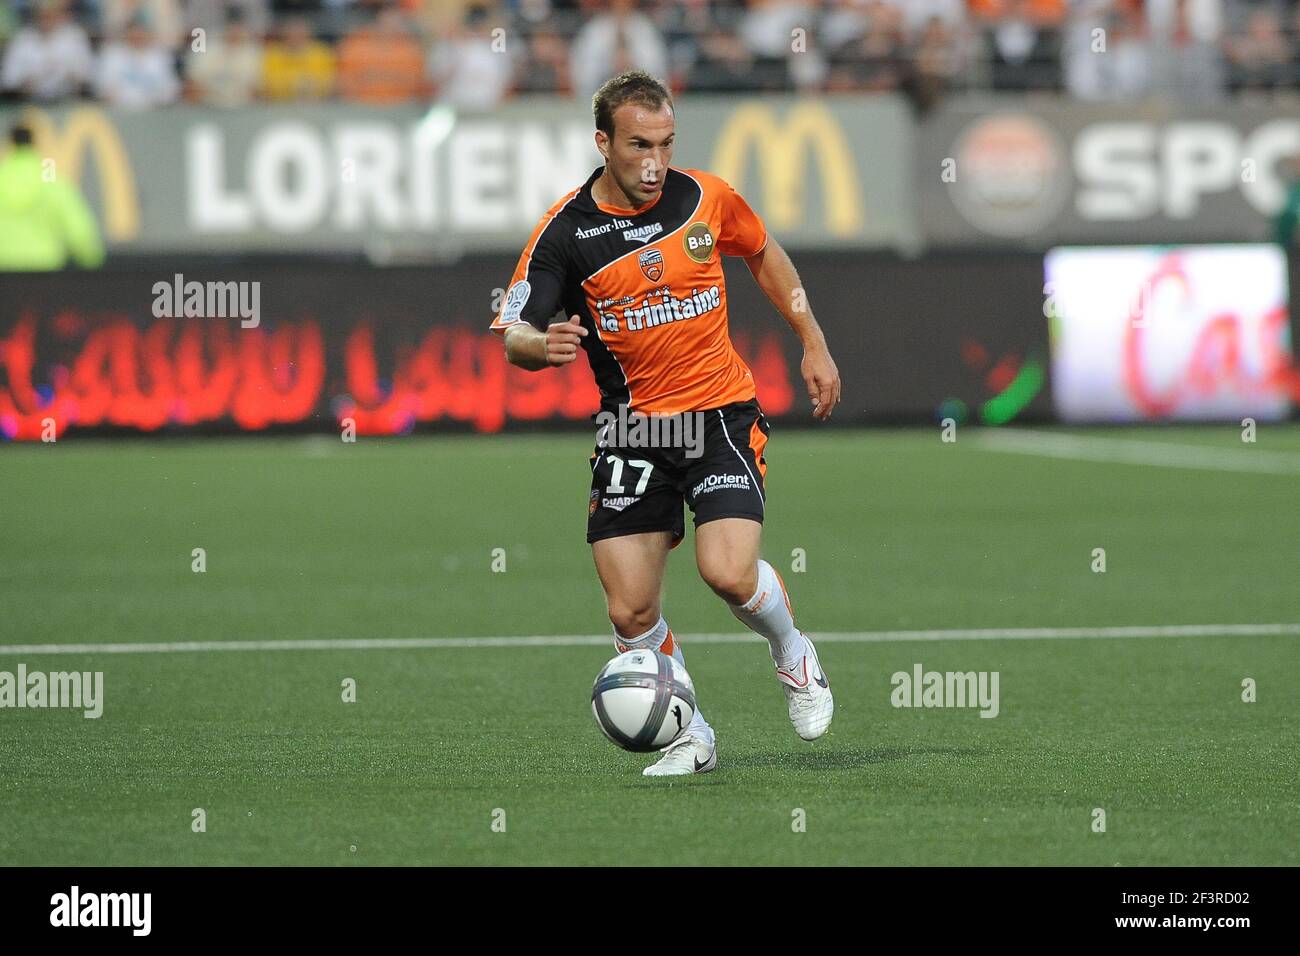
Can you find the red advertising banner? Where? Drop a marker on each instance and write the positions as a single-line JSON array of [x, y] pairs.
[[88, 352], [192, 347]]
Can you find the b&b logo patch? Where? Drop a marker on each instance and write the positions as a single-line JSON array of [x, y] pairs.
[[652, 264], [698, 241]]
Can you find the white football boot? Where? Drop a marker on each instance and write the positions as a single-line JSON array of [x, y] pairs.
[[685, 755], [808, 694]]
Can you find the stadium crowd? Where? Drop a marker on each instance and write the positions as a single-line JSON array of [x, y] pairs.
[[472, 54]]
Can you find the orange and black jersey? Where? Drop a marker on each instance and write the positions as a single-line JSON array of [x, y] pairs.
[[647, 283]]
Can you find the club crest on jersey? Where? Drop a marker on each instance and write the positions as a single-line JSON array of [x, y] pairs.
[[698, 241], [595, 503], [652, 264]]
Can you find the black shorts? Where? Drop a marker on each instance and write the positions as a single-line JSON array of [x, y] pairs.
[[635, 488]]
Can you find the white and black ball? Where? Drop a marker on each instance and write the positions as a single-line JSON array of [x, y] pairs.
[[643, 700]]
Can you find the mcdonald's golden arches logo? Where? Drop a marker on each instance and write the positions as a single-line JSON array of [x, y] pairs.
[[87, 129], [785, 177]]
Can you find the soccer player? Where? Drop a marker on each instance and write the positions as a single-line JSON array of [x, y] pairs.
[[633, 258]]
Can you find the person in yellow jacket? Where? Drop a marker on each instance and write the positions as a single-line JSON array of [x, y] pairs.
[[297, 66], [44, 220]]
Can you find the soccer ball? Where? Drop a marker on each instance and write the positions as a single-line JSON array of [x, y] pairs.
[[643, 700]]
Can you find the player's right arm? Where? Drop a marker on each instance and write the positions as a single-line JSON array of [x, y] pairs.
[[533, 349], [536, 292]]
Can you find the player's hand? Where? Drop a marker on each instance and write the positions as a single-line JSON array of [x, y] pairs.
[[822, 379], [563, 340]]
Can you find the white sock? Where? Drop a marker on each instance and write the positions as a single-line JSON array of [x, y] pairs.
[[652, 638], [656, 637], [768, 614], [698, 726]]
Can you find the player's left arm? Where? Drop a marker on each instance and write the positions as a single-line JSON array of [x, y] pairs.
[[776, 276]]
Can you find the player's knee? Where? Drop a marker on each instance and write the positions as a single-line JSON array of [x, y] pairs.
[[631, 619], [730, 580]]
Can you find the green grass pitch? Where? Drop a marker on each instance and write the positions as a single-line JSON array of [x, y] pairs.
[[311, 538]]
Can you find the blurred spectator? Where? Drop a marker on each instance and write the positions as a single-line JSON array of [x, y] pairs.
[[845, 22], [43, 219], [680, 26], [724, 63], [1023, 42], [767, 31], [211, 16], [471, 68], [547, 66], [162, 18], [229, 70], [1190, 65], [1260, 56], [369, 50], [874, 62], [50, 59], [935, 63], [539, 12], [297, 66], [137, 72], [611, 43], [381, 63], [440, 17], [1202, 20], [1107, 54], [917, 15]]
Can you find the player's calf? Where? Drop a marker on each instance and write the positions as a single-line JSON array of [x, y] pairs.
[[768, 612]]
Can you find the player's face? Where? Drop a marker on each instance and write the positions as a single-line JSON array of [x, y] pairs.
[[640, 150]]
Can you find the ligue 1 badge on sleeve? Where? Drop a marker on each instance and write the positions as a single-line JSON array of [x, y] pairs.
[[516, 299]]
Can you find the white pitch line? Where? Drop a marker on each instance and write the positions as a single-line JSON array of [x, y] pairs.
[[1123, 451], [584, 640]]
